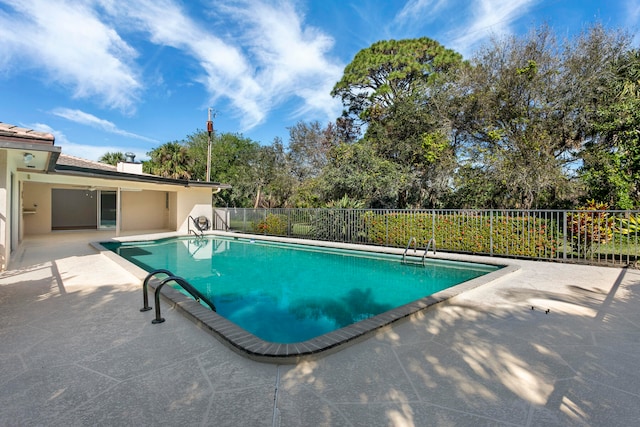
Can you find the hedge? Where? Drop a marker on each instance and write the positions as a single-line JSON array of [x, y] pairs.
[[509, 235]]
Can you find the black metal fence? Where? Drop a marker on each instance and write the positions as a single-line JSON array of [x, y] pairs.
[[588, 236]]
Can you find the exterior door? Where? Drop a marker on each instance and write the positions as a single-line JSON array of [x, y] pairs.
[[107, 209]]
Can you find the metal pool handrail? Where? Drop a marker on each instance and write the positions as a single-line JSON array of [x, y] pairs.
[[189, 230], [430, 245], [145, 285], [415, 247], [180, 281], [431, 241]]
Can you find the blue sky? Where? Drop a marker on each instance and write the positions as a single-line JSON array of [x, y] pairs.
[[112, 75]]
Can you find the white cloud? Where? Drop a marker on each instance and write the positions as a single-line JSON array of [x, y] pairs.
[[75, 49], [255, 54], [226, 72], [471, 22], [418, 11], [293, 59], [261, 62], [78, 116], [488, 17], [633, 11], [89, 152]]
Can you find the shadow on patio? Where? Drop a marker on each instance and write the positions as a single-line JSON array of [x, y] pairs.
[[75, 350]]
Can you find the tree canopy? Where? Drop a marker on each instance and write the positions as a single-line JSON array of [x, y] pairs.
[[526, 122], [112, 158], [389, 72], [171, 160]]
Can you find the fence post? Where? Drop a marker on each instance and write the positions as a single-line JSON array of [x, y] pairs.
[[264, 232], [433, 224], [564, 235], [491, 233], [386, 227]]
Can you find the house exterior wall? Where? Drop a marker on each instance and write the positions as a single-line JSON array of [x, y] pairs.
[[144, 210], [74, 209], [194, 203], [5, 214], [10, 207], [36, 205], [26, 208], [173, 210], [140, 210]]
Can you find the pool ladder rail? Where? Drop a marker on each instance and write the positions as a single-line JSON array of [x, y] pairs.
[[199, 297], [200, 225], [431, 244]]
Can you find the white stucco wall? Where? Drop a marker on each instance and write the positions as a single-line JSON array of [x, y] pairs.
[[10, 233], [144, 210], [5, 215], [195, 203], [36, 200]]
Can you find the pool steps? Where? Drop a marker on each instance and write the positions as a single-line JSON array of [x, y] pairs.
[[431, 244], [171, 278]]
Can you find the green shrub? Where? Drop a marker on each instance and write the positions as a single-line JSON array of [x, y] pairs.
[[273, 224], [590, 228], [628, 226], [338, 225], [465, 232]]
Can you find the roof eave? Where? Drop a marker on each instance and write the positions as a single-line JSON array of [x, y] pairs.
[[123, 176], [21, 144], [209, 184]]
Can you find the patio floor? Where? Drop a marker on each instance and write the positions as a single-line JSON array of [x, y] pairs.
[[75, 350]]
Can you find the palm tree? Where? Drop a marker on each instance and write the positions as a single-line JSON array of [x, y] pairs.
[[170, 160], [112, 158]]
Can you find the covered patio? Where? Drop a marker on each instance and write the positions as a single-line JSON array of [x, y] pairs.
[[43, 190]]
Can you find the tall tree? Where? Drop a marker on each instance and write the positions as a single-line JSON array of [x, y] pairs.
[[171, 160], [274, 181], [233, 159], [356, 171], [112, 158], [389, 86], [522, 113], [197, 144], [309, 145], [611, 166], [391, 71]]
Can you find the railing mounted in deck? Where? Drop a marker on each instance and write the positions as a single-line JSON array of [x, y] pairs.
[[197, 295]]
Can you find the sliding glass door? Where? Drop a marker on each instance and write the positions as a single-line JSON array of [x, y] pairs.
[[107, 209]]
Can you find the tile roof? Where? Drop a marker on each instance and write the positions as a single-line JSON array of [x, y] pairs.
[[16, 133], [68, 160]]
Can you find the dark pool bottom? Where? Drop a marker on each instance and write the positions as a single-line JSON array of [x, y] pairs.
[[255, 348]]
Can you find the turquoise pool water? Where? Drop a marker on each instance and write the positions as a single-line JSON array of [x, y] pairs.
[[287, 293]]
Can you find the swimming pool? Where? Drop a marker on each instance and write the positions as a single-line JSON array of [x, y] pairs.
[[295, 295]]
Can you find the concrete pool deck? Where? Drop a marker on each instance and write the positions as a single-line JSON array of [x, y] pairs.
[[75, 350]]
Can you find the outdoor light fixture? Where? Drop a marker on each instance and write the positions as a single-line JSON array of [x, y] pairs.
[[27, 157]]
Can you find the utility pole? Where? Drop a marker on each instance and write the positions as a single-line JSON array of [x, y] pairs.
[[210, 130]]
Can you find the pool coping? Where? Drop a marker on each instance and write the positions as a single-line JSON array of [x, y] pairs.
[[249, 345]]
